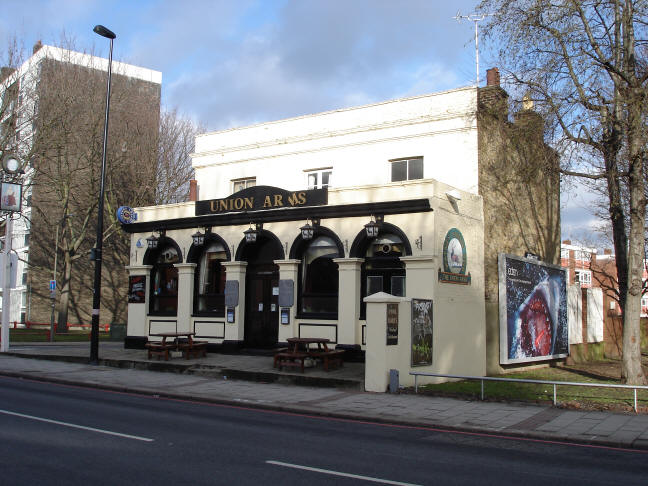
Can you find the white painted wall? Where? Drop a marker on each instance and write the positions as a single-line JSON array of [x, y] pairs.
[[357, 143], [575, 314], [594, 315]]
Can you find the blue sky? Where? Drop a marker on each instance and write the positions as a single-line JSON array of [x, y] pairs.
[[230, 63]]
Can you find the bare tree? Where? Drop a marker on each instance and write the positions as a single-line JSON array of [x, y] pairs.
[[66, 150], [579, 61], [174, 170]]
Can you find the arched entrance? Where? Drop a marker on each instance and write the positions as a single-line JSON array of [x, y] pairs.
[[261, 290]]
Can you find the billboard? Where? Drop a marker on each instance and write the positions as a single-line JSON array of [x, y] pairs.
[[533, 310]]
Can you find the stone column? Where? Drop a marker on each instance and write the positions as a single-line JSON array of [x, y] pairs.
[[136, 325], [289, 270], [349, 329], [235, 271], [379, 357], [420, 276], [186, 273]]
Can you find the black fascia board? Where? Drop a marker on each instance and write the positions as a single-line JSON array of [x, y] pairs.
[[284, 214]]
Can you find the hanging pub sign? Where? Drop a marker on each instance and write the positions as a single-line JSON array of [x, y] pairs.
[[136, 289], [454, 259], [258, 198], [11, 197]]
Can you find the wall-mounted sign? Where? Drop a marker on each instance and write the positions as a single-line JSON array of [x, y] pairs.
[[392, 324], [258, 198], [455, 259], [230, 315], [286, 293], [533, 310], [136, 289], [421, 332], [126, 215], [285, 316], [231, 293]]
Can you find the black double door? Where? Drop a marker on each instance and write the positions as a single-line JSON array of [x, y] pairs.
[[262, 305]]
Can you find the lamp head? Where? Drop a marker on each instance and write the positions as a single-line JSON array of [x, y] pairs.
[[104, 32], [11, 164]]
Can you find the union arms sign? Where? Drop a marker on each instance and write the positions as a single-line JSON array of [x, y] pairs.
[[262, 197]]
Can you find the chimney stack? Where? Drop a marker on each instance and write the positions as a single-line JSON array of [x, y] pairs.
[[37, 46], [492, 99], [492, 77], [193, 190]]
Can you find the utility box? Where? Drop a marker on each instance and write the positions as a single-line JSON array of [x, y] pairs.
[[117, 332], [394, 383]]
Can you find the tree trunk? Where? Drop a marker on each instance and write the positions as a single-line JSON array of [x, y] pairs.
[[632, 372], [64, 303]]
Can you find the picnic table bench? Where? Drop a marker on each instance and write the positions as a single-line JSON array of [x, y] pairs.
[[182, 341], [299, 350], [159, 349]]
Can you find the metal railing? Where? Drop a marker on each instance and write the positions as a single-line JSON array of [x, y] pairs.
[[482, 379]]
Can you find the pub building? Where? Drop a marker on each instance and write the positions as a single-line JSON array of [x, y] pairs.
[[292, 223]]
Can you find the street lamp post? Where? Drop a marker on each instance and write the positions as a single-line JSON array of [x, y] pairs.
[[96, 298]]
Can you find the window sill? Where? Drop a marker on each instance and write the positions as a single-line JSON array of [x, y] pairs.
[[163, 314], [208, 314], [322, 317]]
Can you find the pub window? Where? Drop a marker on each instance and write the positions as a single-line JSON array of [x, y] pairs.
[[209, 294], [320, 178], [318, 290], [382, 270], [164, 282], [240, 184], [406, 169]]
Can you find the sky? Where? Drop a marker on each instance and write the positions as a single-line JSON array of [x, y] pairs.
[[228, 63]]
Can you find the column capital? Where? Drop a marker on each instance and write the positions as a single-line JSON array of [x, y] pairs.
[[138, 269], [424, 261], [291, 261], [234, 264]]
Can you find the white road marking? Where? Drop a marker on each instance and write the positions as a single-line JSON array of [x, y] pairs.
[[336, 473], [66, 424]]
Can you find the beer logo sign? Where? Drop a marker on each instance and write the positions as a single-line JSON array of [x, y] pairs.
[[126, 215]]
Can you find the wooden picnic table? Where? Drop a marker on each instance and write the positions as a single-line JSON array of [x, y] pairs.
[[182, 341], [300, 348]]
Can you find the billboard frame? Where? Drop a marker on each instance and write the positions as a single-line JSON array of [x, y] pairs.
[[503, 310]]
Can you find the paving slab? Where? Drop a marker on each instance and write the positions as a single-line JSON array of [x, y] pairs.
[[337, 393]]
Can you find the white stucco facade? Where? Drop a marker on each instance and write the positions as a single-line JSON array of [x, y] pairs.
[[358, 146]]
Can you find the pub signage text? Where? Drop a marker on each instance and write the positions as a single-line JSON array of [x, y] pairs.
[[262, 197]]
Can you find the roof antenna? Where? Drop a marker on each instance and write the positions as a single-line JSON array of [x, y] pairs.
[[473, 17]]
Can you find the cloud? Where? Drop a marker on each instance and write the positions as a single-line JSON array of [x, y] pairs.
[[310, 56]]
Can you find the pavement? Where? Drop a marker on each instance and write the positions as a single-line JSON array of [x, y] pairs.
[[250, 380]]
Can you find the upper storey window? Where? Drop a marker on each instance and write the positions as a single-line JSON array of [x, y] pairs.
[[406, 169], [319, 178], [240, 184]]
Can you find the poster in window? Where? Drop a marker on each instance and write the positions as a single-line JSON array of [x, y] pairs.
[[136, 289], [421, 332], [533, 310]]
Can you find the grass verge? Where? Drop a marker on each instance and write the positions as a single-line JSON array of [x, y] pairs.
[[570, 396], [42, 335]]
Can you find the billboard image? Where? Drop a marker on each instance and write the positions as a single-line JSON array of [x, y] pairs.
[[533, 310]]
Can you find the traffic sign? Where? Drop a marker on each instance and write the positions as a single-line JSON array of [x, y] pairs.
[[52, 285]]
